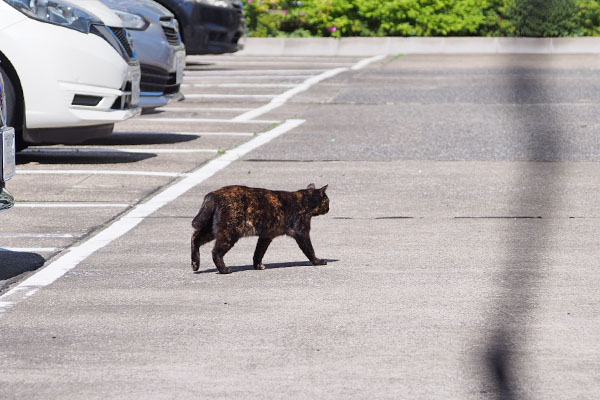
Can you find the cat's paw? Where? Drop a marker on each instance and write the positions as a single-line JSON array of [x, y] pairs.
[[225, 271], [319, 261], [259, 266], [195, 266]]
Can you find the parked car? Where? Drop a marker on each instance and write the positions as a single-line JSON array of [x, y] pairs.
[[209, 26], [7, 149], [69, 73], [158, 45]]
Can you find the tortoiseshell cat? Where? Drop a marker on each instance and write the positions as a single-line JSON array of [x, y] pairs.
[[233, 212]]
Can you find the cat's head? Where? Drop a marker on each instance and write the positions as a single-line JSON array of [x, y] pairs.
[[317, 200]]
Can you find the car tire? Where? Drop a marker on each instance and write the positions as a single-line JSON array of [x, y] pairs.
[[12, 112]]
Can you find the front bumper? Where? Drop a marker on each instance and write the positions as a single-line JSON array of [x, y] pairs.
[[149, 101], [70, 79], [159, 86]]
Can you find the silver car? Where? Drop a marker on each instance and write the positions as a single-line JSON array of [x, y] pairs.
[[158, 46], [7, 150]]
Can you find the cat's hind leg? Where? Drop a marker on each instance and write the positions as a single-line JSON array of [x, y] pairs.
[[261, 247], [223, 244], [199, 237]]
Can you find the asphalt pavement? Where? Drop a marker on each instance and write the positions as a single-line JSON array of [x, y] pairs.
[[462, 224]]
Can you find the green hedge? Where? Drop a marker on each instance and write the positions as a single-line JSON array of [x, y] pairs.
[[337, 18]]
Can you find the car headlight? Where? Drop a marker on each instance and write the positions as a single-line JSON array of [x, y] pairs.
[[58, 12], [131, 21], [215, 3]]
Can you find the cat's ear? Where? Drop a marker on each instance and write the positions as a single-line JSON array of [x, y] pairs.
[[323, 189], [311, 186]]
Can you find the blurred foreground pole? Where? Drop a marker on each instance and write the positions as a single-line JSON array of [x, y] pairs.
[[524, 266]]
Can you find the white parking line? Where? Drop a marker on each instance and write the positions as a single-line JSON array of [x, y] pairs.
[[199, 78], [36, 235], [228, 96], [203, 109], [187, 133], [284, 97], [71, 205], [76, 255], [363, 63], [171, 151], [28, 250], [242, 72], [61, 150], [238, 85], [204, 120], [94, 172], [242, 57], [278, 63]]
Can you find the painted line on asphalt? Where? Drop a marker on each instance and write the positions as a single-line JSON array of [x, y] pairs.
[[43, 150], [36, 235], [278, 63], [131, 219], [237, 85], [209, 120], [186, 133], [94, 172], [171, 151], [27, 250], [71, 205], [245, 77], [241, 57], [203, 109], [242, 72], [229, 96], [363, 63], [285, 96], [307, 84]]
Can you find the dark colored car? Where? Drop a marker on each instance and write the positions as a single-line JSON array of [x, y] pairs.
[[156, 41], [208, 26]]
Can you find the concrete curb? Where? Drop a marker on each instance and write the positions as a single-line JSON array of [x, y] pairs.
[[370, 46]]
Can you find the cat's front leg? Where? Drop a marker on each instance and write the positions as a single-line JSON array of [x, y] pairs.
[[306, 246]]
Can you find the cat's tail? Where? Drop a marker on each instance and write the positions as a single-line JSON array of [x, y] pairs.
[[205, 216]]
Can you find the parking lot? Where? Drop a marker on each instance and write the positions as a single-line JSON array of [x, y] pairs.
[[463, 219], [67, 193]]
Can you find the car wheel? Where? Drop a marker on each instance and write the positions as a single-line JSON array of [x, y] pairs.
[[12, 110]]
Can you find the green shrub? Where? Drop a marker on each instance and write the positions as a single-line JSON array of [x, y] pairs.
[[423, 17], [589, 17], [337, 18], [543, 18]]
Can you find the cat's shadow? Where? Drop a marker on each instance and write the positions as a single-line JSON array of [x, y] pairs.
[[291, 264]]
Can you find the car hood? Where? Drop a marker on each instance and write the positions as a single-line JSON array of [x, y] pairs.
[[101, 11], [144, 7]]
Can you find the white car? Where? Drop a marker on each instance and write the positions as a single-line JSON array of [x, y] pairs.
[[69, 71]]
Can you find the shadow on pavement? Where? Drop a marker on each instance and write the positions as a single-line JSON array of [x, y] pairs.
[[269, 266], [198, 63], [141, 138], [14, 263], [524, 265], [82, 158]]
